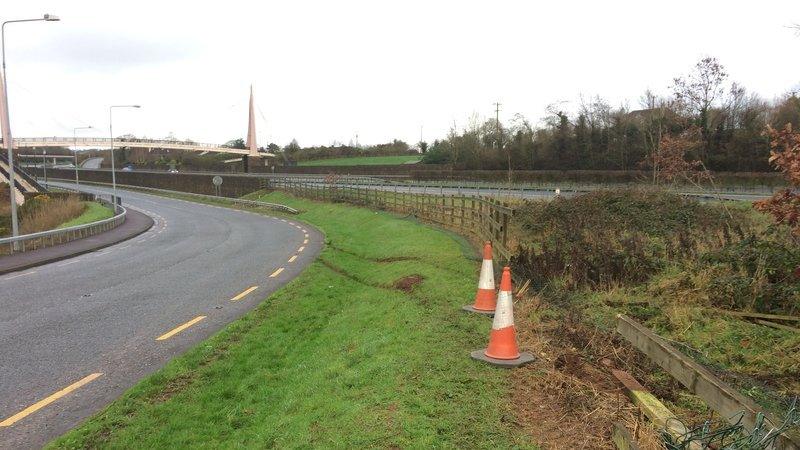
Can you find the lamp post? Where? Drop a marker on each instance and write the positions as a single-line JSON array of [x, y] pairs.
[[4, 120], [111, 132], [44, 164], [75, 148]]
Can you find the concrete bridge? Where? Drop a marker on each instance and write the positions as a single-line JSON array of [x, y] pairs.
[[93, 142]]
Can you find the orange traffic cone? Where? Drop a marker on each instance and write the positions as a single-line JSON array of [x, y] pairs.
[[502, 349], [485, 298]]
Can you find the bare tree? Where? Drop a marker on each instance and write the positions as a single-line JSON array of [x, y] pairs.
[[700, 88]]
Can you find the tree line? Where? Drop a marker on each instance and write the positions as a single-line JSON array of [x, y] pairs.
[[730, 123], [293, 152]]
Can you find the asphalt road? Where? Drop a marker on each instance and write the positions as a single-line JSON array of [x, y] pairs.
[[102, 312], [519, 193]]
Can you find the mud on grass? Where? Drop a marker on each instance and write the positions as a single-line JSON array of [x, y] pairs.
[[407, 283]]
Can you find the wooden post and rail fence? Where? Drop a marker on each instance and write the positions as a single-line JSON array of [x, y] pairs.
[[486, 218]]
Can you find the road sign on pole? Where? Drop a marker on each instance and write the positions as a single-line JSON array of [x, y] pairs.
[[217, 181]]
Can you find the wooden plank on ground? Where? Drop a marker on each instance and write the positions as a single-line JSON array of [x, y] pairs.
[[777, 326], [717, 394], [651, 406], [751, 315], [622, 438]]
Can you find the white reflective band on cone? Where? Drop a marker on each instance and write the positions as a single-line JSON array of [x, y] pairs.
[[504, 312], [486, 280]]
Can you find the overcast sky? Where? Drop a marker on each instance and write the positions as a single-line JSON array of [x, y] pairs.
[[326, 71]]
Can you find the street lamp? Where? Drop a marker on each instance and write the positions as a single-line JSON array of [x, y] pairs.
[[4, 120], [75, 148], [44, 164], [111, 132]]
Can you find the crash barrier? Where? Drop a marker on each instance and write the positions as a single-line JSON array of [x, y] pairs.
[[42, 239]]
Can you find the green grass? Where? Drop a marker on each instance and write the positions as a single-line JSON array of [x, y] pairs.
[[336, 359], [361, 161], [94, 211]]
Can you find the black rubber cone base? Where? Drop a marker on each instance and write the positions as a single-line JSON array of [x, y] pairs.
[[524, 358], [469, 308]]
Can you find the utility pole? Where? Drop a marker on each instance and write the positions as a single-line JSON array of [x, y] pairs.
[[499, 141]]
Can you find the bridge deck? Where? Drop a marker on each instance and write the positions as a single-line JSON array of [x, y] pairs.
[[130, 143]]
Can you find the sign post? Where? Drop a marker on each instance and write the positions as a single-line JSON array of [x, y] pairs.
[[217, 181]]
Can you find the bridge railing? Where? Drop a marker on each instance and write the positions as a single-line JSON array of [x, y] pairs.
[[42, 239], [106, 141]]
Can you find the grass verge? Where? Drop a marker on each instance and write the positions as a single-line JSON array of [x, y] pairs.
[[367, 348], [94, 211], [362, 161]]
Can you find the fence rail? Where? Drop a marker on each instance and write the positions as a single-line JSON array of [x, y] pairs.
[[42, 239], [484, 217]]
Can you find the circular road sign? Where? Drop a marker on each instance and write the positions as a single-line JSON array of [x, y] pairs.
[[217, 180]]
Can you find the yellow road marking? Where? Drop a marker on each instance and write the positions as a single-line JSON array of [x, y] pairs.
[[180, 328], [292, 258], [276, 273], [47, 400], [244, 293], [301, 248], [306, 235], [305, 241]]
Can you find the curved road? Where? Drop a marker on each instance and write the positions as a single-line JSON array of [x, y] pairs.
[[102, 312]]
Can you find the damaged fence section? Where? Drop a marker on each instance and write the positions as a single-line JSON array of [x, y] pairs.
[[718, 395]]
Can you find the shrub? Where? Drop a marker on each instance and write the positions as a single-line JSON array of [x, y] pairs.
[[617, 236], [43, 213], [785, 155], [757, 273]]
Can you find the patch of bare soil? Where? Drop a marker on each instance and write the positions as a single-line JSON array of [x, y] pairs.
[[407, 283], [568, 398], [397, 258]]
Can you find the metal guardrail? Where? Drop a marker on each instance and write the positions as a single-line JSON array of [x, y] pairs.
[[275, 206], [42, 239]]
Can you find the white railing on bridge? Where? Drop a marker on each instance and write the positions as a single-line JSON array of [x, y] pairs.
[[57, 141]]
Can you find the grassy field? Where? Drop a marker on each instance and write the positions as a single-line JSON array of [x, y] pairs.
[[342, 357], [94, 211], [362, 161]]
